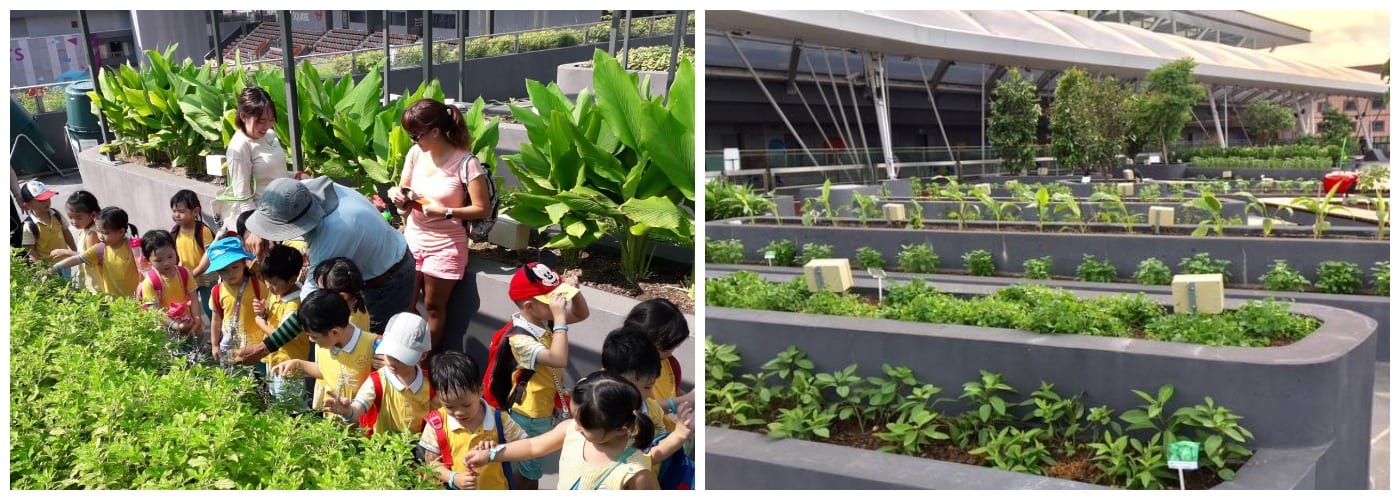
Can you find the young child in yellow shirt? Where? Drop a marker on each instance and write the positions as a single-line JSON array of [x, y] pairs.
[[169, 287], [43, 230], [396, 397], [465, 422], [343, 351], [629, 354], [112, 255], [279, 271]]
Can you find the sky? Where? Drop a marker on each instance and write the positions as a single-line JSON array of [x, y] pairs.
[[1341, 38]]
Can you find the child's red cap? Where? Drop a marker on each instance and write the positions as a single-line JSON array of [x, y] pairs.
[[533, 280]]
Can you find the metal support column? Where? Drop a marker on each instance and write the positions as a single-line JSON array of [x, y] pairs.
[[427, 46], [612, 34], [290, 77], [626, 37], [928, 84], [96, 87], [851, 84], [462, 55], [218, 40], [876, 79], [836, 92], [1215, 115], [388, 59], [834, 122], [771, 100], [677, 38]]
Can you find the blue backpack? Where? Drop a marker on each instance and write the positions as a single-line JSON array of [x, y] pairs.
[[677, 471]]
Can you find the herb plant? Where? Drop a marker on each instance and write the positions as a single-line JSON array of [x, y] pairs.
[[1334, 276], [724, 251], [979, 263], [1283, 278], [869, 258], [784, 252], [1094, 270], [1153, 271], [1037, 269], [918, 259]]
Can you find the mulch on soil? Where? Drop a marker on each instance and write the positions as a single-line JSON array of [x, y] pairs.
[[602, 269]]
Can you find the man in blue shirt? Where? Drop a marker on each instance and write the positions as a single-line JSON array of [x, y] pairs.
[[336, 221]]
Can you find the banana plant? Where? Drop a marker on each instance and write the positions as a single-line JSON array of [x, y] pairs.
[[618, 162], [1112, 209], [1214, 215], [1041, 203], [1253, 205], [999, 210], [952, 190], [825, 202], [1319, 207], [1066, 202]]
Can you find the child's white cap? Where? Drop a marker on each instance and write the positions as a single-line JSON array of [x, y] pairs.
[[405, 338]]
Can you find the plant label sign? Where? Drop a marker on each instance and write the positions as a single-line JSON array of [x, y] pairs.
[[769, 256], [1183, 455], [731, 159], [1086, 179]]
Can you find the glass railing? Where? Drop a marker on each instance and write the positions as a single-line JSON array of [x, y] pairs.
[[46, 98]]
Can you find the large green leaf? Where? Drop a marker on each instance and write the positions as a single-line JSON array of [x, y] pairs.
[[672, 148], [547, 99], [653, 213], [682, 95], [619, 101]]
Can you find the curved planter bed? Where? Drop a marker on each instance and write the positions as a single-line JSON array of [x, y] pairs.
[[1315, 394], [936, 209], [1372, 306], [1255, 173], [1250, 257]]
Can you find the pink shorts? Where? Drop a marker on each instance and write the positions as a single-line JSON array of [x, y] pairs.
[[448, 263]]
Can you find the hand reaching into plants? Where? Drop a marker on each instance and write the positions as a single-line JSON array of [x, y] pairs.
[[337, 404], [287, 368]]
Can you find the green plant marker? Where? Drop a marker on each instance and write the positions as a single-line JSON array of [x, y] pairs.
[[768, 256], [1182, 456]]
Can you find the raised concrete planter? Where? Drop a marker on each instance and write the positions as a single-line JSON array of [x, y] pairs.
[[1088, 209], [143, 192], [1314, 394], [574, 78], [1250, 257], [1158, 171], [841, 196], [1256, 173], [1374, 307], [509, 233]]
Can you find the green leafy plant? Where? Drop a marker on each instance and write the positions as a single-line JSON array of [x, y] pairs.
[[1112, 210], [811, 251], [613, 160], [1320, 207], [848, 393], [809, 212], [825, 202], [1334, 276], [1213, 211], [979, 263], [912, 433], [1065, 202], [1059, 416], [870, 258], [1153, 271], [1070, 122], [885, 392], [1283, 278], [1380, 278], [725, 200], [1037, 269], [916, 215], [1041, 203], [724, 251], [1201, 263], [865, 208], [998, 210], [1164, 108], [918, 259], [1095, 270], [987, 411], [1016, 450], [784, 252]]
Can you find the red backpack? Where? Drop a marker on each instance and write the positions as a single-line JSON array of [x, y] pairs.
[[519, 378], [219, 304], [178, 310], [434, 421], [675, 370], [371, 416]]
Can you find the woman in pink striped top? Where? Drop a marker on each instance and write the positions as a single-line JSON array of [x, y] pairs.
[[442, 186]]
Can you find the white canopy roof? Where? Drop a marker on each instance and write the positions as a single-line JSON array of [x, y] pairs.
[[1045, 40]]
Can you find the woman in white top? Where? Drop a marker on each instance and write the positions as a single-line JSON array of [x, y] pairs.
[[255, 157]]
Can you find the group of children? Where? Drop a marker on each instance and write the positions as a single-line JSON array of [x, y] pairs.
[[481, 427]]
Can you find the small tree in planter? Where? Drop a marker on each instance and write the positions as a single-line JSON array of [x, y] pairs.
[[1336, 128], [1165, 108], [1015, 113], [1069, 119], [1109, 118], [1266, 120]]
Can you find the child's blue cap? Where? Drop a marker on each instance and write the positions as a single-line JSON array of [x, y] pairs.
[[224, 252]]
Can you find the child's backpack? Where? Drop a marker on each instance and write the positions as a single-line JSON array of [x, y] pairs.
[[434, 421], [219, 304], [479, 230], [677, 471], [675, 371], [371, 416], [177, 310], [520, 377], [33, 226]]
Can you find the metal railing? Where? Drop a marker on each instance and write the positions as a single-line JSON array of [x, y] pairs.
[[776, 168], [909, 156], [407, 55], [45, 98]]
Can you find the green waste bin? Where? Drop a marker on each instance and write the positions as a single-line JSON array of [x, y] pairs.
[[80, 117], [25, 159]]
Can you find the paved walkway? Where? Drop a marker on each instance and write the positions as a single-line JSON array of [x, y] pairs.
[[1380, 430]]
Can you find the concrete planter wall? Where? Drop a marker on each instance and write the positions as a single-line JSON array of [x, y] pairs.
[[574, 77], [143, 192], [938, 209], [1159, 171], [1314, 394], [1374, 307], [743, 460], [842, 195], [1255, 173], [1250, 257]]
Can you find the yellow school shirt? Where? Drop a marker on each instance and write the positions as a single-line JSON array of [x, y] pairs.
[[574, 471], [119, 274], [665, 387], [353, 361], [401, 407], [361, 320], [247, 319], [278, 310], [461, 439], [190, 253], [173, 289], [50, 236], [659, 424], [88, 275], [541, 390]]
